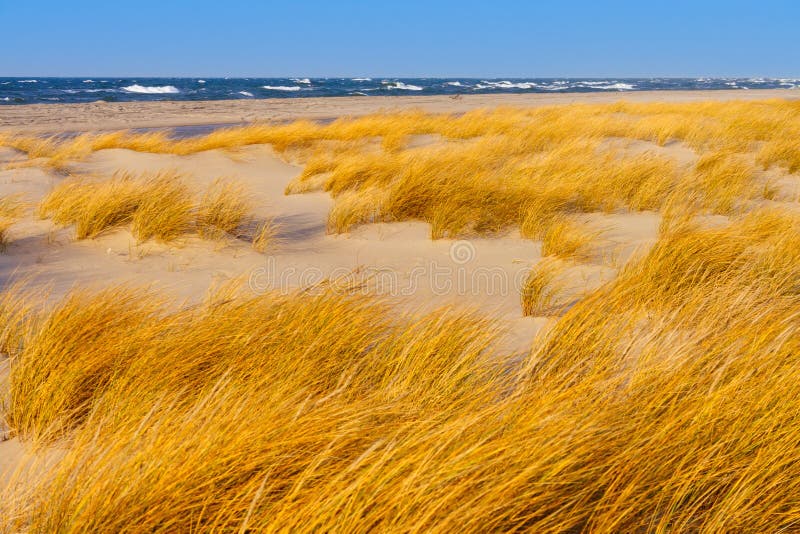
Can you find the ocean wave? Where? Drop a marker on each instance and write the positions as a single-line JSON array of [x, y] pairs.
[[361, 79], [454, 84], [201, 81], [245, 93], [152, 89], [281, 87], [592, 84], [88, 81], [358, 93], [6, 99], [301, 80], [616, 87], [27, 81], [401, 86], [76, 91], [505, 84]]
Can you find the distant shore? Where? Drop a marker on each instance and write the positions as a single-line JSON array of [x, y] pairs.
[[55, 118]]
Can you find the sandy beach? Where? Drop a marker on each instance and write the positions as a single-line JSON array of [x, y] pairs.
[[54, 118]]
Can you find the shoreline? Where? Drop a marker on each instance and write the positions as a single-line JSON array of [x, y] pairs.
[[58, 118]]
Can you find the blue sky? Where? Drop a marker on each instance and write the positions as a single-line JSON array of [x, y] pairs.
[[491, 38]]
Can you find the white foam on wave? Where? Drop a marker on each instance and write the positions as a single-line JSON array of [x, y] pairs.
[[616, 87], [361, 79], [454, 84], [401, 86], [28, 81], [281, 87], [75, 91], [358, 93], [6, 99], [201, 81], [88, 81], [301, 80], [151, 90], [505, 84], [592, 84], [245, 93]]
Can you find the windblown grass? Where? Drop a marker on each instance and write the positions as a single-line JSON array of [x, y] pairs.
[[165, 210], [11, 209], [492, 166], [266, 236], [157, 206], [665, 400], [222, 209], [568, 239], [542, 289]]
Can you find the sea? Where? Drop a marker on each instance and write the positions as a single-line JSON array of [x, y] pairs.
[[15, 91]]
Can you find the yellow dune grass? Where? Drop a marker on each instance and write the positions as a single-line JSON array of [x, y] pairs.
[[666, 400]]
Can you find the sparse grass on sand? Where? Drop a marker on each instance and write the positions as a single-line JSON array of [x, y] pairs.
[[266, 237], [490, 168]]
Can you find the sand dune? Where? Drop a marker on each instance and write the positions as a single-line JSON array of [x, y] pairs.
[[678, 275]]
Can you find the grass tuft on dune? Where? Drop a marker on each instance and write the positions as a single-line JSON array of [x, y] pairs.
[[155, 205]]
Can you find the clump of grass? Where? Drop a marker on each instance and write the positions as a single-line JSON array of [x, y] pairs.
[[568, 239], [222, 209], [354, 208], [780, 151], [93, 206], [165, 210], [70, 357], [156, 205], [265, 236], [542, 290], [538, 216], [11, 209], [724, 179]]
